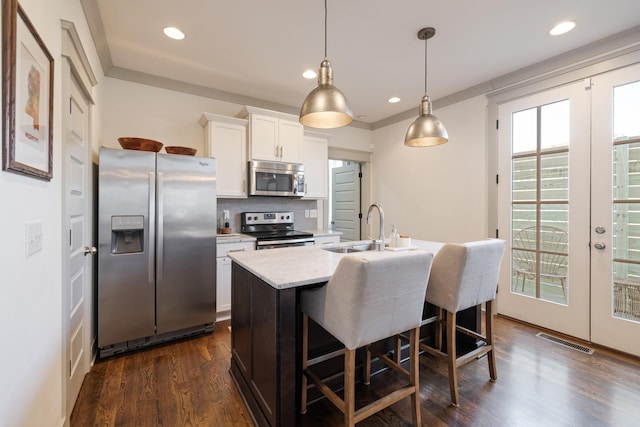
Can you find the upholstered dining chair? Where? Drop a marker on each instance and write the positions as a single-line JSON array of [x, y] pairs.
[[371, 296], [463, 276]]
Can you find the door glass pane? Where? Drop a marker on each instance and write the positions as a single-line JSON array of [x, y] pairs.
[[540, 202], [554, 252], [626, 208], [554, 176], [626, 171], [522, 216], [525, 125], [554, 129], [626, 291], [626, 231], [524, 180], [626, 110], [555, 215]]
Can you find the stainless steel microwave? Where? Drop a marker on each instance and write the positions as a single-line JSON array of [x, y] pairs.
[[276, 179]]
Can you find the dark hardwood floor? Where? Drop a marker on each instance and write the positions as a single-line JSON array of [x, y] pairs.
[[187, 383]]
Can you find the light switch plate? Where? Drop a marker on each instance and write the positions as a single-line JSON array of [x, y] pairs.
[[313, 213], [34, 237]]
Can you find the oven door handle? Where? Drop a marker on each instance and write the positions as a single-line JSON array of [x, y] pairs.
[[285, 242]]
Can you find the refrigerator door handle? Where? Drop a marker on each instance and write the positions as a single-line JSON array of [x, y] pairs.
[[160, 240], [152, 226]]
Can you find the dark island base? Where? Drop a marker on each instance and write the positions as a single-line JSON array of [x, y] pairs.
[[266, 339]]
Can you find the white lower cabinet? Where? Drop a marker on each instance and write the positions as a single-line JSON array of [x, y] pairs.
[[223, 275]]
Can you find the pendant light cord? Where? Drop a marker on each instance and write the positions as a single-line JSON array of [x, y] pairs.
[[425, 66], [325, 29]]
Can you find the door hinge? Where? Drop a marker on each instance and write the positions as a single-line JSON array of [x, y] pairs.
[[360, 215], [497, 233], [70, 101], [69, 237], [588, 82], [497, 179], [497, 124], [359, 174]]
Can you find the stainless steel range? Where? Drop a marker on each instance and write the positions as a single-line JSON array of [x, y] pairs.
[[274, 230]]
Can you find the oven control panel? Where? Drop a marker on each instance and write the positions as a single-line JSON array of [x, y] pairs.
[[258, 218]]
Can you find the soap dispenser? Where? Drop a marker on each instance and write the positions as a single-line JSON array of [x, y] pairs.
[[395, 237]]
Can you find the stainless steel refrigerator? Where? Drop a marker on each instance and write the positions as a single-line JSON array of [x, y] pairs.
[[157, 248]]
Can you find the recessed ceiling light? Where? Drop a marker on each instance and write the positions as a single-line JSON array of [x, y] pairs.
[[174, 33], [394, 99], [562, 27], [309, 74]]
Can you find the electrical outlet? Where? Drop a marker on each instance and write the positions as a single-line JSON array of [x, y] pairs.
[[306, 213], [313, 213], [34, 237]]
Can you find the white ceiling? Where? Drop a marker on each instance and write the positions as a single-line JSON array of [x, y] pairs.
[[259, 49]]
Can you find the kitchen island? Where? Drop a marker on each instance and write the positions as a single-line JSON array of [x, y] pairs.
[[266, 326]]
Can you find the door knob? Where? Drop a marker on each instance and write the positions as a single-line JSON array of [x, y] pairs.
[[90, 250], [600, 230], [599, 245]]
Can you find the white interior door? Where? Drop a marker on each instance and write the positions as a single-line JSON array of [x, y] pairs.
[[544, 201], [615, 233], [345, 201], [78, 265]]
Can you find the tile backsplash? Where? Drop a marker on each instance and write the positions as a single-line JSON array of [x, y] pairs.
[[267, 204]]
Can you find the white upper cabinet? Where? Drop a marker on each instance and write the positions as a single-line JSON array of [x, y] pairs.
[[226, 140], [316, 165], [274, 136]]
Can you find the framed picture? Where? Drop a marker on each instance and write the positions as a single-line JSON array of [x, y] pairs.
[[27, 96]]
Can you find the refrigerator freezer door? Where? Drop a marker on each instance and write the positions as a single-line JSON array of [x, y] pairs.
[[186, 242], [126, 250]]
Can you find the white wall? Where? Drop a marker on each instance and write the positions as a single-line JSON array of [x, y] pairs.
[[435, 193], [351, 138], [133, 109], [30, 287]]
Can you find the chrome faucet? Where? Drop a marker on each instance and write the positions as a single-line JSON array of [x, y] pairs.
[[380, 241]]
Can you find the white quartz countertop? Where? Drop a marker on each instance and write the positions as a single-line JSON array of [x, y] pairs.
[[318, 232], [295, 266], [234, 238]]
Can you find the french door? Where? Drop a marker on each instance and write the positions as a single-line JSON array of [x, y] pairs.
[[569, 208], [544, 192], [615, 233]]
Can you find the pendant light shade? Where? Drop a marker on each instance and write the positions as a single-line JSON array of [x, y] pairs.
[[427, 130], [326, 106]]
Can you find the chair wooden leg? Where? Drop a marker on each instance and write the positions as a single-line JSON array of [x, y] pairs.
[[367, 368], [414, 375], [491, 356], [438, 337], [349, 387], [451, 357], [305, 357], [397, 352]]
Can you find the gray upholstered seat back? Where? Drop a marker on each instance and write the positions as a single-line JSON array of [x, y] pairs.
[[465, 275], [371, 296]]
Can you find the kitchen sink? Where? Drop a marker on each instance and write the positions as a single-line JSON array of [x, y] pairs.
[[360, 247]]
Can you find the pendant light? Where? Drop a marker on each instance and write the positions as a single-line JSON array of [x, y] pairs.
[[427, 130], [325, 107]]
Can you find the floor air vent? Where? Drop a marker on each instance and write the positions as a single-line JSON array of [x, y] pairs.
[[565, 343]]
